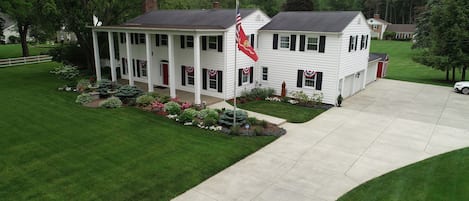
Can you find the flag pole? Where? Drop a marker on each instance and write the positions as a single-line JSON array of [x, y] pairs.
[[235, 63]]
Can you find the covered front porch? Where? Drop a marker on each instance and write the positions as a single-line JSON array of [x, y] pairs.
[[184, 96]]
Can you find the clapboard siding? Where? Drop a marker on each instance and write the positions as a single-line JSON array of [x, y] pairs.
[[283, 64]]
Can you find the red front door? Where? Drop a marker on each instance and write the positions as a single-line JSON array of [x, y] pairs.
[[165, 74]]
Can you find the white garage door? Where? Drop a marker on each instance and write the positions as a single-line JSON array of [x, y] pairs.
[[348, 86], [371, 72], [359, 81]]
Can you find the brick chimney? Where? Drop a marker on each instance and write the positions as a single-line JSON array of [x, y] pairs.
[[149, 5], [376, 16], [216, 5]]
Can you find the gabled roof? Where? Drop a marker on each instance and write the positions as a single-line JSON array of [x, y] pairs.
[[335, 21], [379, 20], [8, 20], [188, 19], [377, 56], [402, 28]]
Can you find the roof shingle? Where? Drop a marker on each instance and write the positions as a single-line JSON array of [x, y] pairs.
[[335, 21], [188, 19]]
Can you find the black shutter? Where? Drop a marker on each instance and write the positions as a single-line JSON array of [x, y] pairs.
[[251, 74], [366, 42], [121, 38], [292, 42], [131, 38], [138, 68], [322, 43], [302, 42], [204, 42], [356, 42], [133, 67], [252, 40], [220, 43], [318, 80], [299, 79], [240, 77], [275, 42], [220, 81], [204, 78], [157, 39], [350, 44], [183, 42], [361, 42], [183, 75], [136, 36]]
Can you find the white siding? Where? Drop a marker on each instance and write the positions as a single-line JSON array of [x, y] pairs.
[[371, 72], [251, 24], [356, 60]]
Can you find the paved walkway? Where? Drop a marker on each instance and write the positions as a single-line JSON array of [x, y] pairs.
[[389, 125]]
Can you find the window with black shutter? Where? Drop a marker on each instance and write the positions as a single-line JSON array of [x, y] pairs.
[[322, 44], [220, 81], [252, 40], [275, 42], [293, 42], [299, 79], [302, 42]]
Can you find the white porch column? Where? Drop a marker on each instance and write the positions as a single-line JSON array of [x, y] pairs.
[[172, 76], [197, 70], [149, 61], [129, 59], [112, 56], [97, 63]]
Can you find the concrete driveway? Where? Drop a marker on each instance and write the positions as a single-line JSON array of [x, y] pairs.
[[387, 126]]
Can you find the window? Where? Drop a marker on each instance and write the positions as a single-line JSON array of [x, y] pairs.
[[309, 81], [143, 68], [190, 75], [164, 40], [189, 41], [212, 42], [352, 42], [375, 26], [141, 38], [245, 78], [312, 43], [264, 73], [124, 66], [285, 42], [212, 79]]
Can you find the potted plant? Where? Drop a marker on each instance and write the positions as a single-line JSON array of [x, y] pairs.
[[339, 100]]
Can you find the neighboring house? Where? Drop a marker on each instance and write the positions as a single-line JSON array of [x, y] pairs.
[[194, 51], [378, 26], [315, 52], [10, 29], [403, 31], [65, 36]]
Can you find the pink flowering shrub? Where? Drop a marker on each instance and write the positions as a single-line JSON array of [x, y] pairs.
[[175, 100], [157, 106], [186, 105]]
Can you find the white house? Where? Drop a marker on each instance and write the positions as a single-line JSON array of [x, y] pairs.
[[10, 29], [315, 52], [189, 50], [194, 51], [378, 26]]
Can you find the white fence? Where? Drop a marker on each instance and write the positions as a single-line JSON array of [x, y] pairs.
[[24, 60]]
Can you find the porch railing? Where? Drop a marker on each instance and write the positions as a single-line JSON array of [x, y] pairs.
[[24, 60]]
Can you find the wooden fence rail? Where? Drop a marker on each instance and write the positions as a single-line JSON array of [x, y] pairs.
[[24, 60]]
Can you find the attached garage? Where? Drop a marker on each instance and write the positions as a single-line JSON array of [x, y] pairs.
[[381, 60], [348, 86], [371, 72]]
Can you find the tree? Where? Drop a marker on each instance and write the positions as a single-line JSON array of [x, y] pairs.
[[298, 5], [27, 13], [2, 23]]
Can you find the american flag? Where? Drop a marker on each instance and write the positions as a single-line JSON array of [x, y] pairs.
[[238, 21]]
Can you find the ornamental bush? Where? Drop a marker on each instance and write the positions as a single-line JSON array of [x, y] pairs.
[[187, 115], [210, 121], [145, 100], [301, 97], [83, 98], [112, 102], [66, 72], [208, 113], [82, 85], [228, 116], [128, 91], [172, 108]]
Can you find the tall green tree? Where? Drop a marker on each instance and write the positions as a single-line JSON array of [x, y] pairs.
[[27, 13], [298, 5]]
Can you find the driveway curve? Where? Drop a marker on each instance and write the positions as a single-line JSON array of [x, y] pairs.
[[387, 126]]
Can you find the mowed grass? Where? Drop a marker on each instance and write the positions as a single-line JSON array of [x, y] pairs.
[[54, 149], [14, 50], [402, 67], [292, 113], [443, 177]]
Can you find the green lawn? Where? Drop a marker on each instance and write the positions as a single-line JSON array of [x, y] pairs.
[[14, 50], [292, 113], [444, 177], [54, 149], [402, 67]]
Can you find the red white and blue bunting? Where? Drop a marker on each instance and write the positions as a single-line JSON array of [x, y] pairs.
[[309, 73], [246, 70], [212, 72], [189, 69]]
